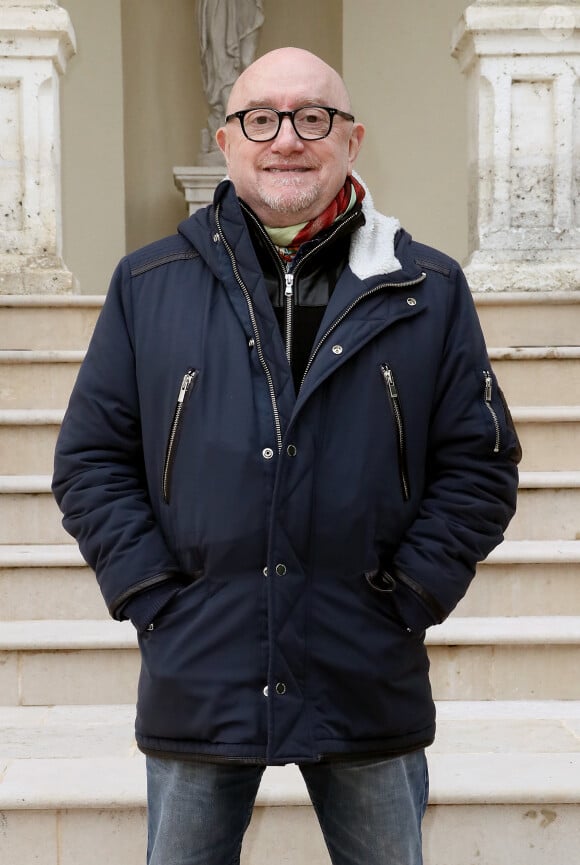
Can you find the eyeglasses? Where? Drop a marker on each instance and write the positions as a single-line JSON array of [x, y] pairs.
[[310, 123]]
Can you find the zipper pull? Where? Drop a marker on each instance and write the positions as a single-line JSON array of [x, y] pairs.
[[390, 380], [488, 383], [289, 277], [186, 384]]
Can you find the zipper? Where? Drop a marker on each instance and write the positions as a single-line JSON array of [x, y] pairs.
[[393, 395], [488, 385], [185, 389], [349, 309], [289, 304], [290, 275], [257, 339]]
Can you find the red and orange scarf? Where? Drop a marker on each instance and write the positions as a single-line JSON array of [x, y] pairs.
[[349, 195]]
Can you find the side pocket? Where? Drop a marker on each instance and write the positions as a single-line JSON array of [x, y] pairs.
[[187, 384], [394, 402]]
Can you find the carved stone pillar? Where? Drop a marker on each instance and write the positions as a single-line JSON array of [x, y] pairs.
[[36, 41], [523, 67]]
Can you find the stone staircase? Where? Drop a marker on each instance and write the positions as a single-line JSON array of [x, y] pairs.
[[505, 770]]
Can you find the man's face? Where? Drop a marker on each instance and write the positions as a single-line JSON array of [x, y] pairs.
[[289, 180]]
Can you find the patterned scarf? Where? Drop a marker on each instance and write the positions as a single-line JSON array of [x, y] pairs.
[[288, 240]]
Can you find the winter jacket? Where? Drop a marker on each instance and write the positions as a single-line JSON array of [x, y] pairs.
[[297, 545]]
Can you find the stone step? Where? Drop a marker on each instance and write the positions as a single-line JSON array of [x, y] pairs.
[[49, 581], [505, 658], [37, 378], [27, 440], [532, 318], [526, 578], [476, 658], [550, 437], [548, 508], [519, 578], [28, 512], [547, 375], [503, 777], [42, 322]]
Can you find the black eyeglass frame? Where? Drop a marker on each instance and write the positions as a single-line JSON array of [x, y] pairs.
[[332, 112]]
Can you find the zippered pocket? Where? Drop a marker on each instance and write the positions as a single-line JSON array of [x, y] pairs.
[[187, 384], [487, 396], [393, 396]]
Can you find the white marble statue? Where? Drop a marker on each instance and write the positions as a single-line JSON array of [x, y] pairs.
[[228, 35]]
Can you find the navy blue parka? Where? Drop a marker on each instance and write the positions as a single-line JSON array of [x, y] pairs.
[[299, 544]]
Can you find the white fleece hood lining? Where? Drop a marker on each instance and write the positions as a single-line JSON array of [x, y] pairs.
[[372, 249]]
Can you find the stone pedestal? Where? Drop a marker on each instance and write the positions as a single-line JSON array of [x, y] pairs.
[[198, 184], [36, 41], [523, 68]]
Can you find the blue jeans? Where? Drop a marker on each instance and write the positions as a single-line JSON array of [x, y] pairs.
[[370, 811]]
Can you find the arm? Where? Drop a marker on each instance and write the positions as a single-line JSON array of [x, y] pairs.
[[99, 474], [471, 481]]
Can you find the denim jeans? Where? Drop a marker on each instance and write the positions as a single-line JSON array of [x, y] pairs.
[[370, 811]]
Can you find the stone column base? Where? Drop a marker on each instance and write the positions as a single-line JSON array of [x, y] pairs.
[[198, 184], [495, 271], [20, 274]]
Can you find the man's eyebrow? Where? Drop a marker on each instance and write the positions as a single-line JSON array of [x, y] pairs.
[[264, 103]]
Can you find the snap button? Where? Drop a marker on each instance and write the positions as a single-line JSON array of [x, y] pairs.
[[265, 571], [251, 343], [216, 238], [267, 453], [281, 570], [337, 349], [411, 301], [265, 691], [291, 450], [280, 688]]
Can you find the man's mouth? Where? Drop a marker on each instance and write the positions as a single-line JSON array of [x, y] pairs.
[[285, 169]]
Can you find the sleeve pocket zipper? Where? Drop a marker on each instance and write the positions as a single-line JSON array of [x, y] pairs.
[[187, 384], [488, 390], [393, 395]]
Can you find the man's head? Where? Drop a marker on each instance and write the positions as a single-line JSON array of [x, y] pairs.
[[288, 180]]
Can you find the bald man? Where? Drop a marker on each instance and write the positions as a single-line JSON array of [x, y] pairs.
[[284, 455]]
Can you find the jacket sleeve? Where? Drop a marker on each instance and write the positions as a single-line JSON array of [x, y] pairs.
[[471, 483], [99, 475]]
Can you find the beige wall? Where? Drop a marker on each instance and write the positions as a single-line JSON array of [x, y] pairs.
[[163, 93], [93, 197], [410, 94], [133, 108]]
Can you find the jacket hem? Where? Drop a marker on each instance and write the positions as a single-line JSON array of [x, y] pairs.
[[327, 750]]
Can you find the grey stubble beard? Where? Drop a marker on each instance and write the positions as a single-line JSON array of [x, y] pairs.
[[279, 202]]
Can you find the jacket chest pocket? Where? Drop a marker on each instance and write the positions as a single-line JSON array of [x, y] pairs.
[[187, 384], [393, 399]]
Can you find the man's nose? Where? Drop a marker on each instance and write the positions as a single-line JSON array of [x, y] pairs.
[[287, 138]]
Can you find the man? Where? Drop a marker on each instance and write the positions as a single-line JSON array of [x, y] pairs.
[[284, 455]]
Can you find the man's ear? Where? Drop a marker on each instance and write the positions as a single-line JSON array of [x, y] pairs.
[[220, 137], [356, 138]]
